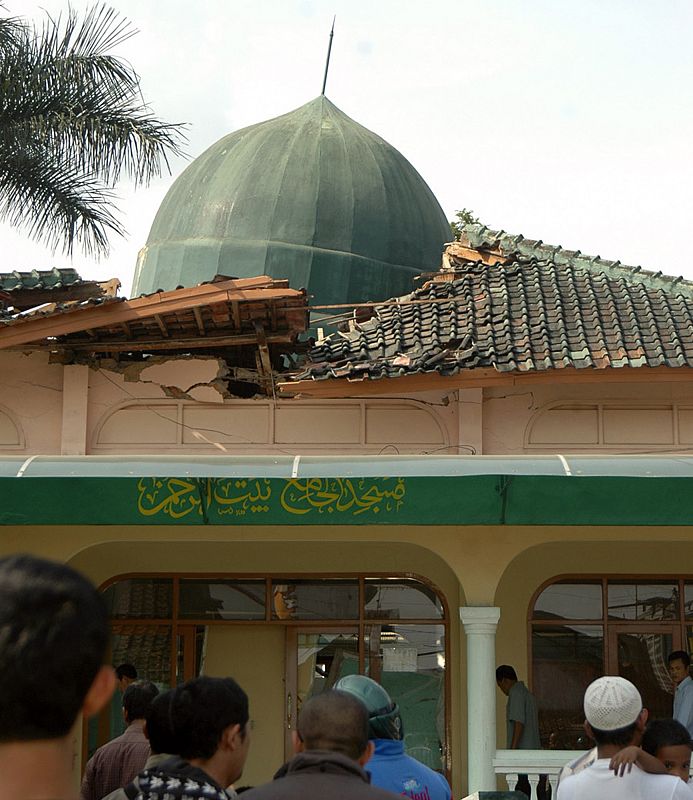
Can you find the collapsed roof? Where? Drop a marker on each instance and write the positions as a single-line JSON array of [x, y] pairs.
[[511, 304]]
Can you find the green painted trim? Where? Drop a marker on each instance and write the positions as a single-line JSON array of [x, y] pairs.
[[426, 501]]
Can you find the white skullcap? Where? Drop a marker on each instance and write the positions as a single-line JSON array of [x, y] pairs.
[[611, 703]]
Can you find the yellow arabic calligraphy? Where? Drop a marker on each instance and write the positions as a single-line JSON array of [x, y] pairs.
[[176, 497], [341, 495], [235, 496]]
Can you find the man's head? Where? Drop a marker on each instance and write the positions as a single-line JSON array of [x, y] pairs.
[[158, 725], [53, 638], [613, 712], [670, 742], [335, 721], [506, 678], [126, 674], [384, 720], [138, 699], [679, 662], [209, 718]]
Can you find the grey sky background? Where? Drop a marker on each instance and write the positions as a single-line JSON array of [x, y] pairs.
[[569, 121]]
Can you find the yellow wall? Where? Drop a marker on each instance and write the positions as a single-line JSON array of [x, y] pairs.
[[108, 559], [254, 656], [471, 565], [534, 566]]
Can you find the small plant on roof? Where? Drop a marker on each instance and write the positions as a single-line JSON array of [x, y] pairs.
[[462, 218]]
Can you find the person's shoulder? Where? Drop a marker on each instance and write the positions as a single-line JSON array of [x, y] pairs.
[[669, 786], [568, 785]]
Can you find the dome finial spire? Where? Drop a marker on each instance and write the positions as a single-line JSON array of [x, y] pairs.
[[327, 63]]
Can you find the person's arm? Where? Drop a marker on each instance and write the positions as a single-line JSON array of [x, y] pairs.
[[623, 762], [518, 727]]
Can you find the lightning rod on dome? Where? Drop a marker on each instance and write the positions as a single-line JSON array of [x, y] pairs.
[[327, 63]]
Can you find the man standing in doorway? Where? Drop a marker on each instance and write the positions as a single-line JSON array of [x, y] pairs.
[[521, 718], [679, 669]]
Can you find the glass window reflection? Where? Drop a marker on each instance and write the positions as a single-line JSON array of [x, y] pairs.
[[140, 598], [409, 661], [309, 599], [219, 599], [401, 599], [643, 601], [566, 600], [566, 659]]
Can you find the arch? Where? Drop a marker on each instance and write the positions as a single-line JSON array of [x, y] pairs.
[[614, 425], [11, 431], [327, 426]]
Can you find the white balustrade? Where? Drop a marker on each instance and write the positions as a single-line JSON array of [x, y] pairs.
[[533, 763]]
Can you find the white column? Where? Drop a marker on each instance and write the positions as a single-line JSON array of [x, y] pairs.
[[480, 624]]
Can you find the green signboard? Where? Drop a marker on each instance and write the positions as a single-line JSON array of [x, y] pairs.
[[424, 500]]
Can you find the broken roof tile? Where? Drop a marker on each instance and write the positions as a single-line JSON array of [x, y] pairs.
[[537, 307]]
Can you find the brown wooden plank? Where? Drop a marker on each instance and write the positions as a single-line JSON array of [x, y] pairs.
[[340, 387], [32, 329], [200, 322], [123, 346], [161, 324], [265, 360]]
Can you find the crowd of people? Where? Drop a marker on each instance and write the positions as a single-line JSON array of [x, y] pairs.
[[188, 743], [191, 742]]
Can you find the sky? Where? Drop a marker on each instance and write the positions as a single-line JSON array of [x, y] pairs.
[[569, 121]]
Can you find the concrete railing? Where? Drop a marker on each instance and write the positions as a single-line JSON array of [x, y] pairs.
[[533, 763]]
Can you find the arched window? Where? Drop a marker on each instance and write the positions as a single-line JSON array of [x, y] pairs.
[[305, 633], [582, 628]]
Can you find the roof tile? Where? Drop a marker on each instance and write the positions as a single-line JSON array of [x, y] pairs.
[[538, 307]]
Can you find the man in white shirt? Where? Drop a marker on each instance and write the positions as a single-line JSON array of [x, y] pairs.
[[679, 669], [615, 718]]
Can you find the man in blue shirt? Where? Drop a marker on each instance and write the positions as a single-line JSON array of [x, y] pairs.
[[679, 664], [390, 767]]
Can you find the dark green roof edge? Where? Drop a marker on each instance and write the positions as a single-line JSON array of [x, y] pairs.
[[481, 236]]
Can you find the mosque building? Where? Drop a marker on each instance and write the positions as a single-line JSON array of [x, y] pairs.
[[323, 439]]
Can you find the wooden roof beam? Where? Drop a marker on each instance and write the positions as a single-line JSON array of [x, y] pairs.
[[425, 382], [162, 325], [265, 360], [32, 329], [120, 346], [199, 321]]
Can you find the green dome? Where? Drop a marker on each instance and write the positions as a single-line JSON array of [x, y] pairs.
[[311, 196]]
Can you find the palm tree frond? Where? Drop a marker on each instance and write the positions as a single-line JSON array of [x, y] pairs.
[[73, 122], [57, 204]]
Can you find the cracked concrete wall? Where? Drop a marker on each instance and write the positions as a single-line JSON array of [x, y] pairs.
[[31, 390], [587, 418], [183, 404], [186, 378]]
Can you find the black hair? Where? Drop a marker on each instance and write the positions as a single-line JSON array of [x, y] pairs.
[[505, 671], [138, 699], [664, 733], [159, 725], [336, 721], [126, 671], [620, 736], [53, 638], [679, 655], [201, 710]]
